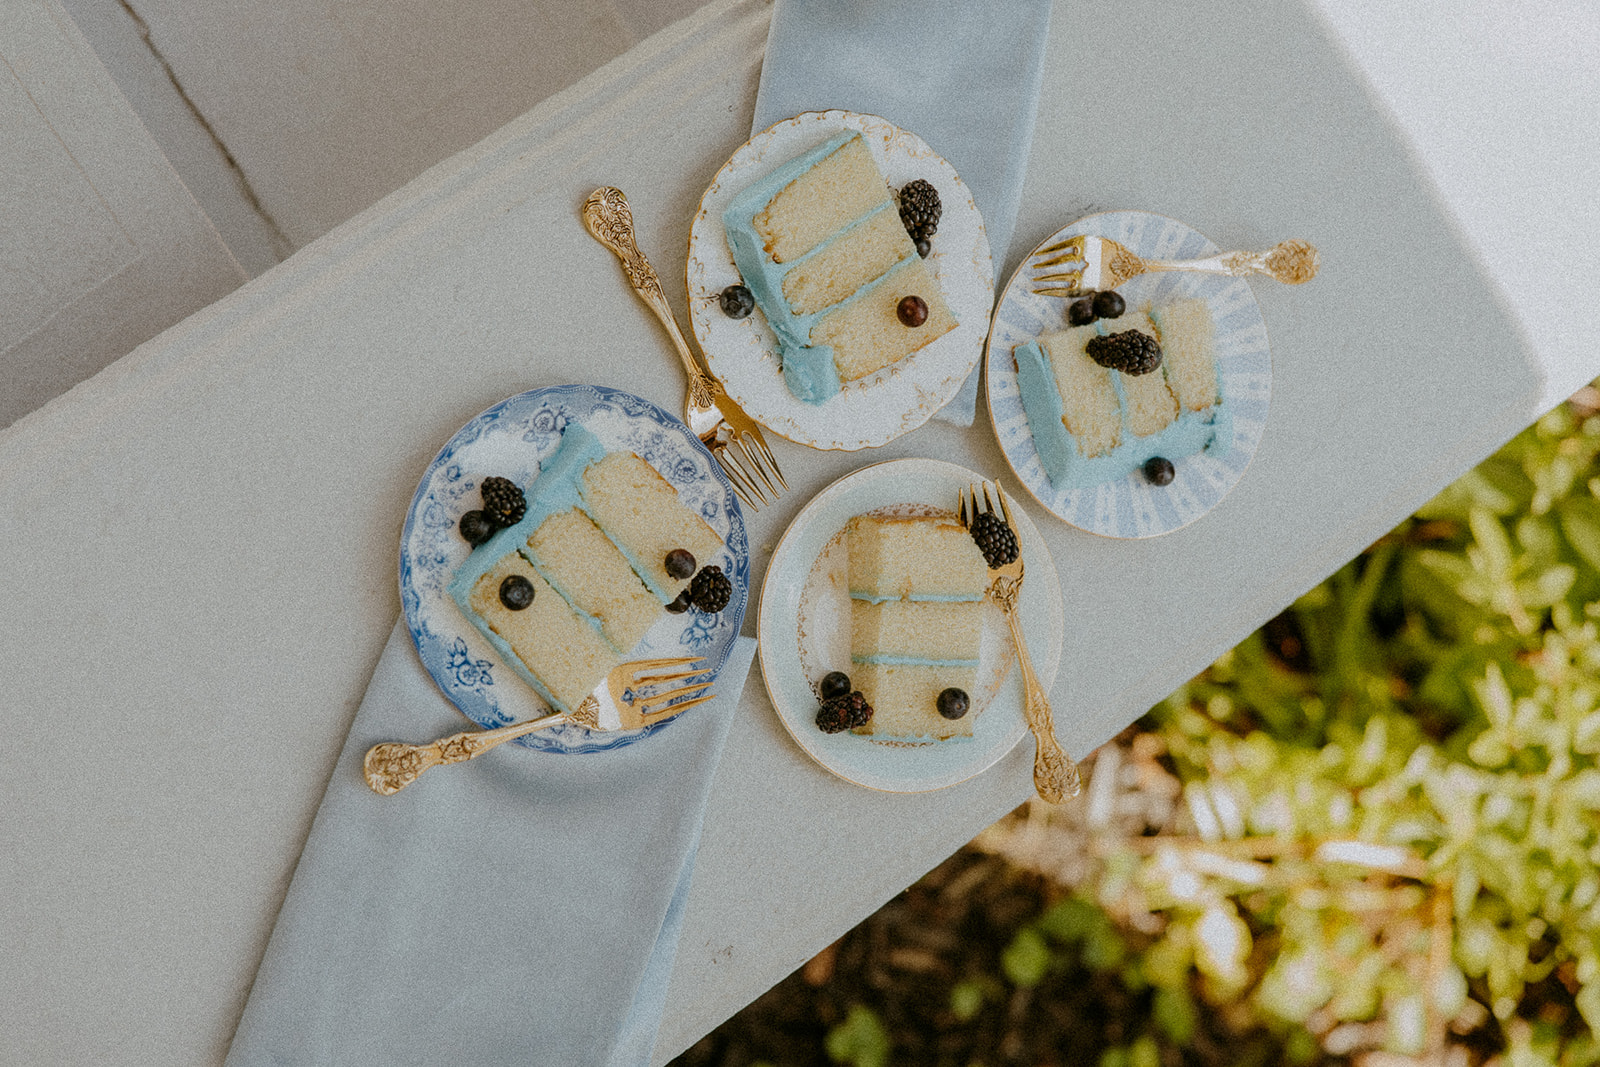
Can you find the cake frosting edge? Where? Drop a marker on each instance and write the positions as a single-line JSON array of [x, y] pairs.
[[1191, 433]]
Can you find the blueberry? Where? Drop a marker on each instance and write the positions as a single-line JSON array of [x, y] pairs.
[[834, 684], [476, 527], [1158, 470], [1080, 312], [1109, 304], [681, 605], [953, 703], [737, 303], [924, 246], [913, 311], [516, 592], [680, 564]]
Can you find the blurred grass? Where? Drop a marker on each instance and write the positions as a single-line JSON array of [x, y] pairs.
[[1369, 834]]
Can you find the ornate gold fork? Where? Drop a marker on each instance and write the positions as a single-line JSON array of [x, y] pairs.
[[722, 426], [1055, 776], [1107, 264], [391, 766]]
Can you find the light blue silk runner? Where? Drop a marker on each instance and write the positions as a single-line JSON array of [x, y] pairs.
[[963, 75], [523, 908]]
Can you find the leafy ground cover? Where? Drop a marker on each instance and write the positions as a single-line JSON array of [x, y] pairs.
[[1370, 834]]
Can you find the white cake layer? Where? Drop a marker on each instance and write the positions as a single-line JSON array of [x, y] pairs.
[[916, 629], [904, 699], [928, 557], [558, 646], [582, 564], [838, 189]]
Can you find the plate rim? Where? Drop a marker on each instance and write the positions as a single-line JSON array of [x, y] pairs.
[[410, 598], [1047, 668], [988, 341], [842, 117]]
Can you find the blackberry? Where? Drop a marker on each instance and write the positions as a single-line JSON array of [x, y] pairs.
[[953, 703], [920, 209], [1081, 312], [842, 713], [912, 311], [516, 592], [834, 684], [476, 527], [503, 502], [1131, 352], [1108, 304], [679, 563], [737, 302], [1158, 470], [995, 539], [710, 591]]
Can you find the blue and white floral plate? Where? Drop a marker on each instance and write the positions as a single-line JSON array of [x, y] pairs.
[[804, 626], [511, 439], [1131, 506]]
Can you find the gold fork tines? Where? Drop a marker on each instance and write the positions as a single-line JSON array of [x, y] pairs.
[[391, 766], [722, 426], [1055, 775], [1106, 264], [644, 708], [753, 471]]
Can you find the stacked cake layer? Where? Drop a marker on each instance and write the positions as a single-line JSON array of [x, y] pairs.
[[916, 591], [820, 245], [592, 543], [1091, 424]]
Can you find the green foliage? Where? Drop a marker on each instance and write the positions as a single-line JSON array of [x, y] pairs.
[[1027, 959], [860, 1041], [1388, 819], [1391, 795], [969, 996]]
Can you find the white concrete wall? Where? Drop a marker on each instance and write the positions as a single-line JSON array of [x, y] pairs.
[[286, 118], [156, 153]]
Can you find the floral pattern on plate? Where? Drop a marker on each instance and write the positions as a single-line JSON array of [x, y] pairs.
[[511, 439]]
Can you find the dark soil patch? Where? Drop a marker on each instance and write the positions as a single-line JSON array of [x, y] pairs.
[[903, 962]]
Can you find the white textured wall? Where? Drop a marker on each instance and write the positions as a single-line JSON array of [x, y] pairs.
[[286, 118]]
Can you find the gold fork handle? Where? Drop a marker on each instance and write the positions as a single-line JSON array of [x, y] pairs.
[[1290, 262], [609, 218], [391, 766], [1055, 775]]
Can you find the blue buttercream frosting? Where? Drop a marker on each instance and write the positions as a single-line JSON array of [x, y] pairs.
[[1192, 432], [939, 598], [890, 660], [559, 489], [808, 370], [885, 659]]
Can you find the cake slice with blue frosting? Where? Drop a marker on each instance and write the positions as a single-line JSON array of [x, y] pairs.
[[1093, 424], [591, 549], [916, 611], [821, 247]]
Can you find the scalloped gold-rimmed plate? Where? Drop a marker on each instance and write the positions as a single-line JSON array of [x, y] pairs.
[[804, 602], [744, 352]]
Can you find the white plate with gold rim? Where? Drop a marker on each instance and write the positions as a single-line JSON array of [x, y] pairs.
[[804, 627], [744, 352], [1131, 507]]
